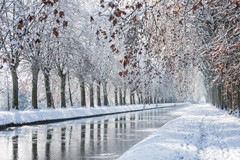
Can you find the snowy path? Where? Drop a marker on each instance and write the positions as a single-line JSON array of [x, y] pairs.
[[203, 133]]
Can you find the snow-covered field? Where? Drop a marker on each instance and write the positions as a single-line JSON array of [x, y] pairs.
[[204, 133], [29, 116]]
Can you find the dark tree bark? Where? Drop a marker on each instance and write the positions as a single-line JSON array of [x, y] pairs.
[[48, 88], [124, 94], [83, 94], [142, 101], [91, 94], [133, 98], [116, 96], [69, 90], [131, 101], [120, 96], [35, 71], [138, 97], [105, 94], [15, 88], [98, 93], [233, 98], [238, 97], [63, 89]]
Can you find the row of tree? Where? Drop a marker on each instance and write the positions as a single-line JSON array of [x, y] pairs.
[[182, 38], [65, 47]]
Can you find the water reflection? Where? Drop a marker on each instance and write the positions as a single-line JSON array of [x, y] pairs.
[[48, 144], [63, 144], [34, 145], [15, 147], [103, 138]]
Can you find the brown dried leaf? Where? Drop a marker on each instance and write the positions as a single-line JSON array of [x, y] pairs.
[[20, 24], [61, 14], [115, 22]]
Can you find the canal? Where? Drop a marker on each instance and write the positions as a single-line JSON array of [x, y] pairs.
[[100, 138]]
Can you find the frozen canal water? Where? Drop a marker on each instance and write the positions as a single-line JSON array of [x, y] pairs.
[[101, 138]]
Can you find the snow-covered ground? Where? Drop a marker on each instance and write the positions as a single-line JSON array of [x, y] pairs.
[[204, 133], [29, 116]]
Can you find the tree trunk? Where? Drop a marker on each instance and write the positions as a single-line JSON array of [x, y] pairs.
[[116, 96], [238, 98], [48, 89], [124, 94], [133, 97], [142, 101], [150, 100], [15, 89], [120, 96], [63, 90], [98, 93], [83, 94], [233, 100], [138, 97], [105, 98], [35, 71], [69, 90], [131, 100], [91, 95]]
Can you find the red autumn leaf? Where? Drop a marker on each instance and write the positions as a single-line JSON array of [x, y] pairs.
[[120, 74], [115, 22], [195, 7], [55, 32], [111, 4], [55, 12], [238, 46], [126, 72], [139, 6], [61, 14], [117, 12], [123, 12], [134, 65], [5, 60], [111, 17], [20, 24], [117, 51], [104, 33], [176, 13], [113, 47]]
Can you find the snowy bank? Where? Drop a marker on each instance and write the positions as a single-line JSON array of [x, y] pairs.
[[204, 132], [17, 118]]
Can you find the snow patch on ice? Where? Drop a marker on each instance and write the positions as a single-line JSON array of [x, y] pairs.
[[28, 116]]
